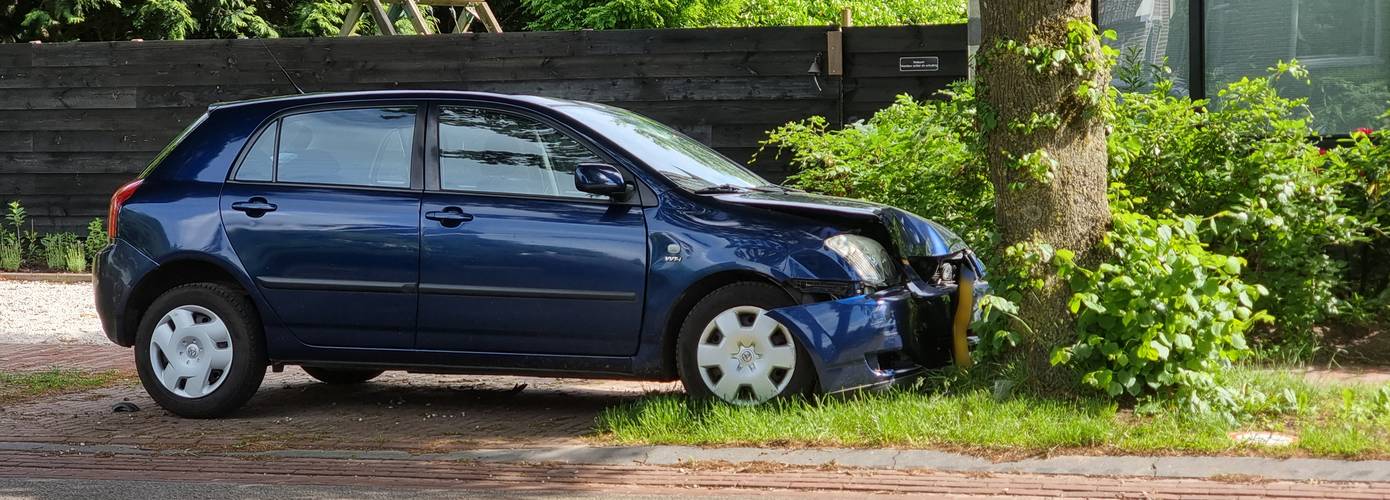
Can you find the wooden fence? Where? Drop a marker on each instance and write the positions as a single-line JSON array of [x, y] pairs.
[[78, 119]]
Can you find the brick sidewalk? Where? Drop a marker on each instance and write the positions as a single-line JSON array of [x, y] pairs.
[[611, 478], [397, 411], [85, 357]]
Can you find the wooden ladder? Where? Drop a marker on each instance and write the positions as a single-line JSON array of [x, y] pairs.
[[465, 12]]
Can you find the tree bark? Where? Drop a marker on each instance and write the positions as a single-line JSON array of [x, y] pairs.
[[1067, 208]]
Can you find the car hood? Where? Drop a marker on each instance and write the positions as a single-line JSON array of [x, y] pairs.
[[914, 236]]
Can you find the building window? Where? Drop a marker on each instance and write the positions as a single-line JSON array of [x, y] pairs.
[[1343, 43], [1338, 32], [1152, 33]]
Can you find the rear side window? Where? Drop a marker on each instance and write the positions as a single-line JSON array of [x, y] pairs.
[[368, 147], [489, 151], [259, 163]]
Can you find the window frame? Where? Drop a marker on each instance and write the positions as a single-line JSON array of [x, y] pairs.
[[432, 154], [417, 156], [1374, 19]]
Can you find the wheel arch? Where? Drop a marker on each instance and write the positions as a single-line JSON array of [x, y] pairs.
[[681, 308], [170, 274]]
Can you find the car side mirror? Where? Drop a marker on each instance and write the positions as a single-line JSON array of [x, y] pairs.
[[600, 179]]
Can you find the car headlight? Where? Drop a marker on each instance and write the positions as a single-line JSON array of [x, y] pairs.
[[866, 258]]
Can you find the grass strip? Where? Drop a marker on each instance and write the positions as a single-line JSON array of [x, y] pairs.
[[19, 386], [1344, 420]]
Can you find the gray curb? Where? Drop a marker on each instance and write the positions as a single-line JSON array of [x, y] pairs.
[[1295, 469]]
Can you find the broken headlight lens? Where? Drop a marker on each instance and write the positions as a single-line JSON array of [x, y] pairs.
[[866, 257]]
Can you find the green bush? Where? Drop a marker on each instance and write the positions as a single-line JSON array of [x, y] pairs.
[[1162, 314], [55, 249], [24, 244], [1246, 164], [64, 252], [1231, 201], [10, 258], [96, 238], [550, 15], [922, 156], [75, 257], [1366, 158]]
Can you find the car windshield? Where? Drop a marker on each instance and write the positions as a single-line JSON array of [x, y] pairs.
[[685, 161]]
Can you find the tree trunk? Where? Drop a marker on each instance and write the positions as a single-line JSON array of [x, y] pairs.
[[1038, 115]]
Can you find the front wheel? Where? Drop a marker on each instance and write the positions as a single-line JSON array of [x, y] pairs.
[[729, 348], [199, 351]]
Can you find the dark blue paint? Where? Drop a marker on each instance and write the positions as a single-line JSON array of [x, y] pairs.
[[553, 246], [449, 267], [329, 233]]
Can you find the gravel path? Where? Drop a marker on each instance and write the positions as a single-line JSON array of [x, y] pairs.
[[33, 312]]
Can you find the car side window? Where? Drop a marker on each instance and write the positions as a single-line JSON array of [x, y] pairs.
[[352, 147], [496, 152], [259, 163]]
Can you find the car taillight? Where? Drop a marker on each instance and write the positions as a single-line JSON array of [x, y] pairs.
[[119, 198]]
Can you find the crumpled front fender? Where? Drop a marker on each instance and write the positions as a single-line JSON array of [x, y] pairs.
[[844, 337]]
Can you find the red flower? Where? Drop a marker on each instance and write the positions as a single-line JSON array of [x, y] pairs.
[[1363, 130]]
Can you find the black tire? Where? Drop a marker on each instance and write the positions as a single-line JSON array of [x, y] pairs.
[[802, 377], [341, 376], [247, 368]]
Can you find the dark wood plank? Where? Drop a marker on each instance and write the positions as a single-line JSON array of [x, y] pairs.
[[68, 98], [742, 135], [61, 164], [870, 39], [99, 119], [731, 112], [379, 72], [600, 90], [512, 44], [888, 89], [21, 141], [20, 184], [87, 141]]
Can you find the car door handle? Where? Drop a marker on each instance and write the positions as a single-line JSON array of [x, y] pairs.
[[254, 207], [449, 217]]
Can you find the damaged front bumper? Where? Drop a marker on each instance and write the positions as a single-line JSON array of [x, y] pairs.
[[880, 339]]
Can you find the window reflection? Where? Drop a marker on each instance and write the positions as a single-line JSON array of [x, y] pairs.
[[496, 152]]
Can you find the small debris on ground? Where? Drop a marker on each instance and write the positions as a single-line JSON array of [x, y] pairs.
[[1263, 438], [124, 407]]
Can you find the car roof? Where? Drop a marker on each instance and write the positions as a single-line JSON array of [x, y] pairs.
[[329, 97]]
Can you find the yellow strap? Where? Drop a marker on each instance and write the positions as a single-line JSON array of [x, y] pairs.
[[965, 308]]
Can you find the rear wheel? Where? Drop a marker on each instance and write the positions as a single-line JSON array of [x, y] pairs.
[[341, 376], [199, 350], [729, 348]]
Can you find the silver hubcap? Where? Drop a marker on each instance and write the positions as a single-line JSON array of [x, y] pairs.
[[191, 351], [746, 357]]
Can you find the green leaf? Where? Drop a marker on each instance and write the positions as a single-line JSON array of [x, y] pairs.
[[1182, 342], [1160, 350], [1060, 356], [1232, 265]]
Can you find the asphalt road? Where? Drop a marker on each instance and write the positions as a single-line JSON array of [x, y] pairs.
[[86, 489]]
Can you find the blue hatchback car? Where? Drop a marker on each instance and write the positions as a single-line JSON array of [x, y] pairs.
[[459, 232]]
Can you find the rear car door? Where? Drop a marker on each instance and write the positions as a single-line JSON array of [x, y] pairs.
[[514, 259], [323, 211]]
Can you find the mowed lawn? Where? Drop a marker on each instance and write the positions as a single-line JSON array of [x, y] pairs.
[[1334, 420]]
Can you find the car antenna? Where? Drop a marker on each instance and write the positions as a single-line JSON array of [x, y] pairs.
[[282, 68]]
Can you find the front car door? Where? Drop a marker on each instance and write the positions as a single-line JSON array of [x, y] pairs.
[[323, 212], [514, 259]]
